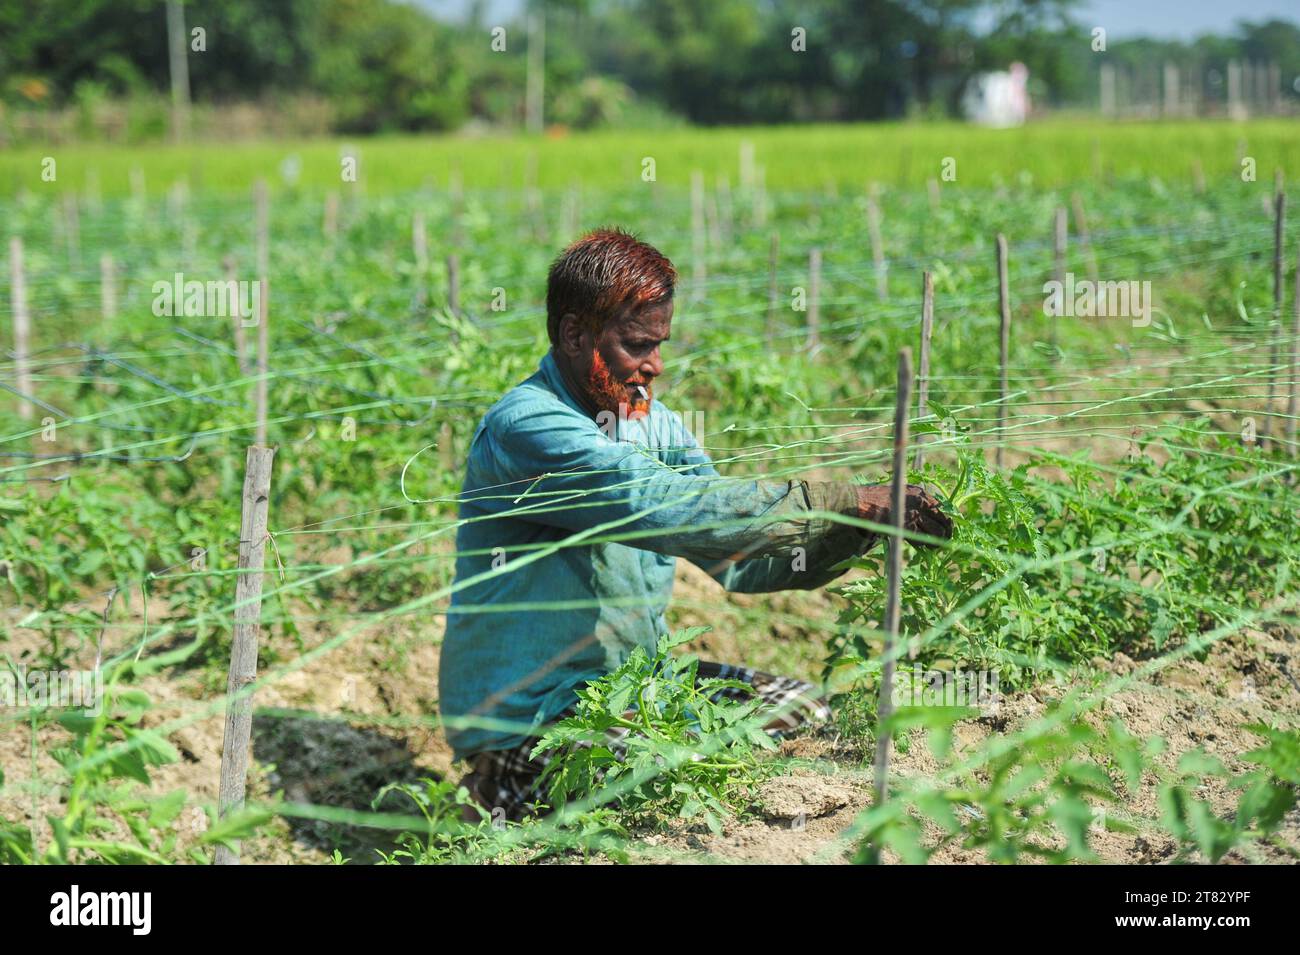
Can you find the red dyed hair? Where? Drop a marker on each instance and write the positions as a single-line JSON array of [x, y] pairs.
[[601, 273]]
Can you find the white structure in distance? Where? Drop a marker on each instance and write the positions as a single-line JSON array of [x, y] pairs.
[[998, 99]]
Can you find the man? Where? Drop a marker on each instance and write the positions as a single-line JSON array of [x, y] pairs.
[[581, 491]]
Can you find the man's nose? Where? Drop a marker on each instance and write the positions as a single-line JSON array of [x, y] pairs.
[[653, 366]]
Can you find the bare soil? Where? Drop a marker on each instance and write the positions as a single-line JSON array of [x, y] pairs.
[[336, 730]]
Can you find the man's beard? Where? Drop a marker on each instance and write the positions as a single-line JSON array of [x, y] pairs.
[[619, 397]]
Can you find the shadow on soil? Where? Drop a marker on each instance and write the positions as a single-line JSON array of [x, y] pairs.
[[330, 762]]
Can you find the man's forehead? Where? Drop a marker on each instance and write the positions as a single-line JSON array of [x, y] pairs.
[[648, 319]]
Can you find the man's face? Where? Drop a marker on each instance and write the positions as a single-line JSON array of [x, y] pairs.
[[618, 366]]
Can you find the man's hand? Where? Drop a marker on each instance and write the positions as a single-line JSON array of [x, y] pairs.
[[922, 513]]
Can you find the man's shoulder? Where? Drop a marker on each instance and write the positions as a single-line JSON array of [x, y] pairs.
[[529, 398]]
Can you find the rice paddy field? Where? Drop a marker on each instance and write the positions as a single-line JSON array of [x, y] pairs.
[[1123, 569]]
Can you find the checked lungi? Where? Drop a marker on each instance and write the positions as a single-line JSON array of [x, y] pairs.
[[506, 783]]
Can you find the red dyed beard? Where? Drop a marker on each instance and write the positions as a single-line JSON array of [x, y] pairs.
[[609, 394]]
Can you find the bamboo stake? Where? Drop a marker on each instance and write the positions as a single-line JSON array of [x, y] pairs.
[[453, 283], [1060, 239], [22, 325], [1275, 345], [814, 299], [698, 270], [420, 248], [456, 187], [262, 359], [746, 164], [1085, 237], [243, 650], [241, 341], [330, 220], [138, 191], [877, 246], [72, 230], [263, 228], [932, 186], [894, 568], [773, 254], [446, 450], [94, 195], [1293, 403], [107, 288], [1004, 306], [726, 210], [711, 217], [923, 373]]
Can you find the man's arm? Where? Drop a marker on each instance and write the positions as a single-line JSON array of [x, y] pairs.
[[557, 469], [805, 569]]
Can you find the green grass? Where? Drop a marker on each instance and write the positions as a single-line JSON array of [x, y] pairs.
[[159, 413], [795, 157]]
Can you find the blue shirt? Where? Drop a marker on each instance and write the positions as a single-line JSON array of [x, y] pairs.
[[570, 530]]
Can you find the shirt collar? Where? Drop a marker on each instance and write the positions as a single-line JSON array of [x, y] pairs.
[[634, 431]]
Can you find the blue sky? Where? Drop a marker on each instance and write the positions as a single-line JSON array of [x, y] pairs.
[[1179, 19], [1123, 19]]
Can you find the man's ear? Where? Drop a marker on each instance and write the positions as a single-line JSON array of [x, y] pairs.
[[571, 332]]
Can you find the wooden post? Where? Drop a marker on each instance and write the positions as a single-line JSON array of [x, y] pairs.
[[746, 164], [420, 249], [726, 211], [241, 342], [932, 185], [772, 256], [699, 273], [263, 228], [138, 191], [446, 447], [107, 288], [1085, 237], [72, 230], [243, 651], [1275, 343], [532, 195], [453, 283], [894, 568], [94, 194], [923, 373], [814, 299], [456, 188], [1293, 403], [330, 220], [877, 246], [1004, 306], [711, 217], [1198, 177], [569, 216], [760, 197], [262, 359], [22, 325], [1060, 239]]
